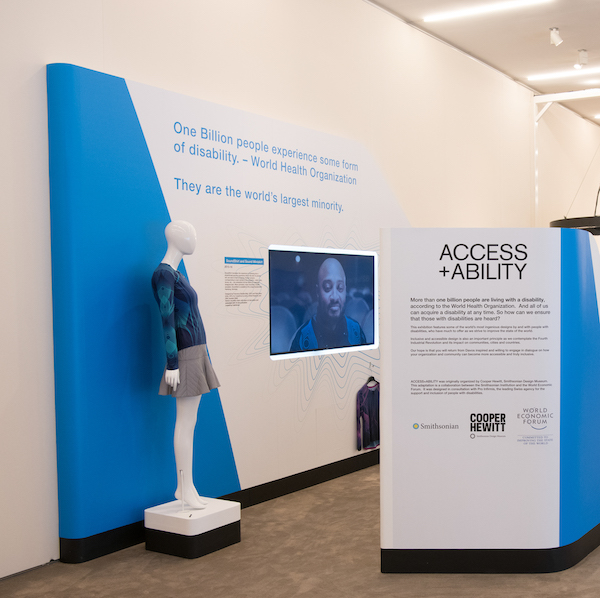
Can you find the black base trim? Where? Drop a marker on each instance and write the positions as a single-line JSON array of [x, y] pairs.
[[192, 547], [542, 560], [306, 479], [81, 550]]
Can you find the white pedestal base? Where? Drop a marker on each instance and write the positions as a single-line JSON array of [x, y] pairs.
[[192, 533]]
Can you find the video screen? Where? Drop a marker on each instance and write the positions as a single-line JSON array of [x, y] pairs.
[[322, 301]]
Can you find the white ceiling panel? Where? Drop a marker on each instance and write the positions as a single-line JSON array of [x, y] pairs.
[[517, 42]]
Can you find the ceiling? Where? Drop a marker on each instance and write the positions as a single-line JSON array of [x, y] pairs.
[[517, 42]]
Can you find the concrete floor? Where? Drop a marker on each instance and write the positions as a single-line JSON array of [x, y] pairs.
[[323, 541]]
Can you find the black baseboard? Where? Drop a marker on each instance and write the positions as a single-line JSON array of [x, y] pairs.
[[542, 560], [305, 479], [192, 547], [80, 550]]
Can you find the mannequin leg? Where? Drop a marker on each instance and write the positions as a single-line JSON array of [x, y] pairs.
[[187, 413]]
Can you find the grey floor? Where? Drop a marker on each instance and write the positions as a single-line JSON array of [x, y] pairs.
[[323, 541]]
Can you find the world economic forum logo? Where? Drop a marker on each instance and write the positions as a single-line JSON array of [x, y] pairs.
[[415, 426], [537, 418]]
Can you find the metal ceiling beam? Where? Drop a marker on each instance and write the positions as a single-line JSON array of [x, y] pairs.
[[566, 96], [542, 111]]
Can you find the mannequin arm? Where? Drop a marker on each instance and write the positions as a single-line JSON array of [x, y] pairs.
[[172, 378]]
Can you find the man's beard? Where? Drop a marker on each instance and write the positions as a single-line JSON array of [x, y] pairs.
[[330, 321]]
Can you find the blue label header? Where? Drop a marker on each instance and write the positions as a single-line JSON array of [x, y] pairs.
[[254, 261]]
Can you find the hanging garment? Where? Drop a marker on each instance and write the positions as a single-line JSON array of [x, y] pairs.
[[367, 410]]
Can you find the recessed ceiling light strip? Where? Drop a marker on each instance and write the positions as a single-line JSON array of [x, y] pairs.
[[565, 74], [483, 9]]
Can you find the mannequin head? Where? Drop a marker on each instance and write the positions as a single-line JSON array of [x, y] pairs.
[[181, 235]]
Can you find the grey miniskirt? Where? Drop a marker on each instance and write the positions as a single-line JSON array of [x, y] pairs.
[[196, 374]]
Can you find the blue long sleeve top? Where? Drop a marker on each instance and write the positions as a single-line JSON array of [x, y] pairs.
[[178, 305]]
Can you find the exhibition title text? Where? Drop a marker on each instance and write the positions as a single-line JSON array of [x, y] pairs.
[[491, 261]]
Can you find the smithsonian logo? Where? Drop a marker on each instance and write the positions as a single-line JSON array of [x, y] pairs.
[[435, 427]]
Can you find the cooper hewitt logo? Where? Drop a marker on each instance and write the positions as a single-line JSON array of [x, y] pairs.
[[488, 422]]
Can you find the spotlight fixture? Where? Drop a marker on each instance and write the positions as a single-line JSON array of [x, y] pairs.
[[583, 59], [555, 38]]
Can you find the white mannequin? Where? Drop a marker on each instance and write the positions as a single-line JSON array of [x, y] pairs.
[[181, 240]]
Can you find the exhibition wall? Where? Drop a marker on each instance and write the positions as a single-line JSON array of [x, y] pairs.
[[488, 354], [125, 158], [452, 138]]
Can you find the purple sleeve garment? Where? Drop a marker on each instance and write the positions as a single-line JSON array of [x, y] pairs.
[[367, 410]]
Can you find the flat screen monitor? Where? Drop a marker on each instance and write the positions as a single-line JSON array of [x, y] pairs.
[[322, 301]]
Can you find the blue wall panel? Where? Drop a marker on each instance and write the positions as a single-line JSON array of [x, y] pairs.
[[114, 433], [580, 395]]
